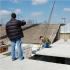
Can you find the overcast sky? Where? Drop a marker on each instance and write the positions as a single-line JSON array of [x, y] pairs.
[[37, 10]]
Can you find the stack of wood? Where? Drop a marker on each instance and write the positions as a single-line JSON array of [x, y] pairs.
[[3, 47]]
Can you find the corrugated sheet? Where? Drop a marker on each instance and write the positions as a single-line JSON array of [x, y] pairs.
[[32, 34], [34, 31]]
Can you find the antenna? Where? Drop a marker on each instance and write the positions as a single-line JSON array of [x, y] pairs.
[[49, 19], [64, 21]]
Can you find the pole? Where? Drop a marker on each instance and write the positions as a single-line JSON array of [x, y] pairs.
[[49, 19], [64, 21]]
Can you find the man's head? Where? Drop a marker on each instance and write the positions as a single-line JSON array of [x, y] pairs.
[[13, 15]]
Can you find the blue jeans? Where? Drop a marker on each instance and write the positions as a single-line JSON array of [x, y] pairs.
[[16, 43], [46, 45]]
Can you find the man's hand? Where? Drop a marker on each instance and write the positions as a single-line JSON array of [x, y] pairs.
[[23, 22]]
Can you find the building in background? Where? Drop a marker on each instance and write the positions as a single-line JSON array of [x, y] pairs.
[[65, 32]]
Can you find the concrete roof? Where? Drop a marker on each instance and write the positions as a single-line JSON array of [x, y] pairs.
[[29, 64], [7, 64], [60, 48]]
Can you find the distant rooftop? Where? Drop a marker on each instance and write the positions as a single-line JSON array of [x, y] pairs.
[[65, 28]]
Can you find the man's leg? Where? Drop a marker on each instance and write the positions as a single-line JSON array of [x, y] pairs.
[[13, 50], [46, 45], [20, 52]]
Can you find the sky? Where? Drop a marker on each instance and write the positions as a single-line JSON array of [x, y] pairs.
[[35, 10]]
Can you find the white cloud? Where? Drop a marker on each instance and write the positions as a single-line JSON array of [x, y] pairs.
[[15, 1], [36, 14], [36, 2], [18, 11], [8, 12], [18, 1], [67, 9], [4, 12]]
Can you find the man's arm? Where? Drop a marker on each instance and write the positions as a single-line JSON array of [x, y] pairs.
[[23, 23]]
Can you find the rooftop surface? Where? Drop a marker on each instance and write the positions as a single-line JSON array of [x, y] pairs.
[[60, 48], [28, 64]]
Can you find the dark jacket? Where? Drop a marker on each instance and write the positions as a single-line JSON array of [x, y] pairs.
[[14, 30]]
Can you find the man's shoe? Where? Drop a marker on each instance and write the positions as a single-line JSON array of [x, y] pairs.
[[14, 59], [22, 58]]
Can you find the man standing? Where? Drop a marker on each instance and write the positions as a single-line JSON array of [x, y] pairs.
[[14, 33]]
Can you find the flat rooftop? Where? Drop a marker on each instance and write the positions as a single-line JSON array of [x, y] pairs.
[[27, 64], [60, 48]]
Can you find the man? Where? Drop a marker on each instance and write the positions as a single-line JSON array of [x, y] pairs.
[[14, 33]]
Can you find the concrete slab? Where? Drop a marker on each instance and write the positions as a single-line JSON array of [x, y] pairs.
[[27, 64], [60, 48]]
